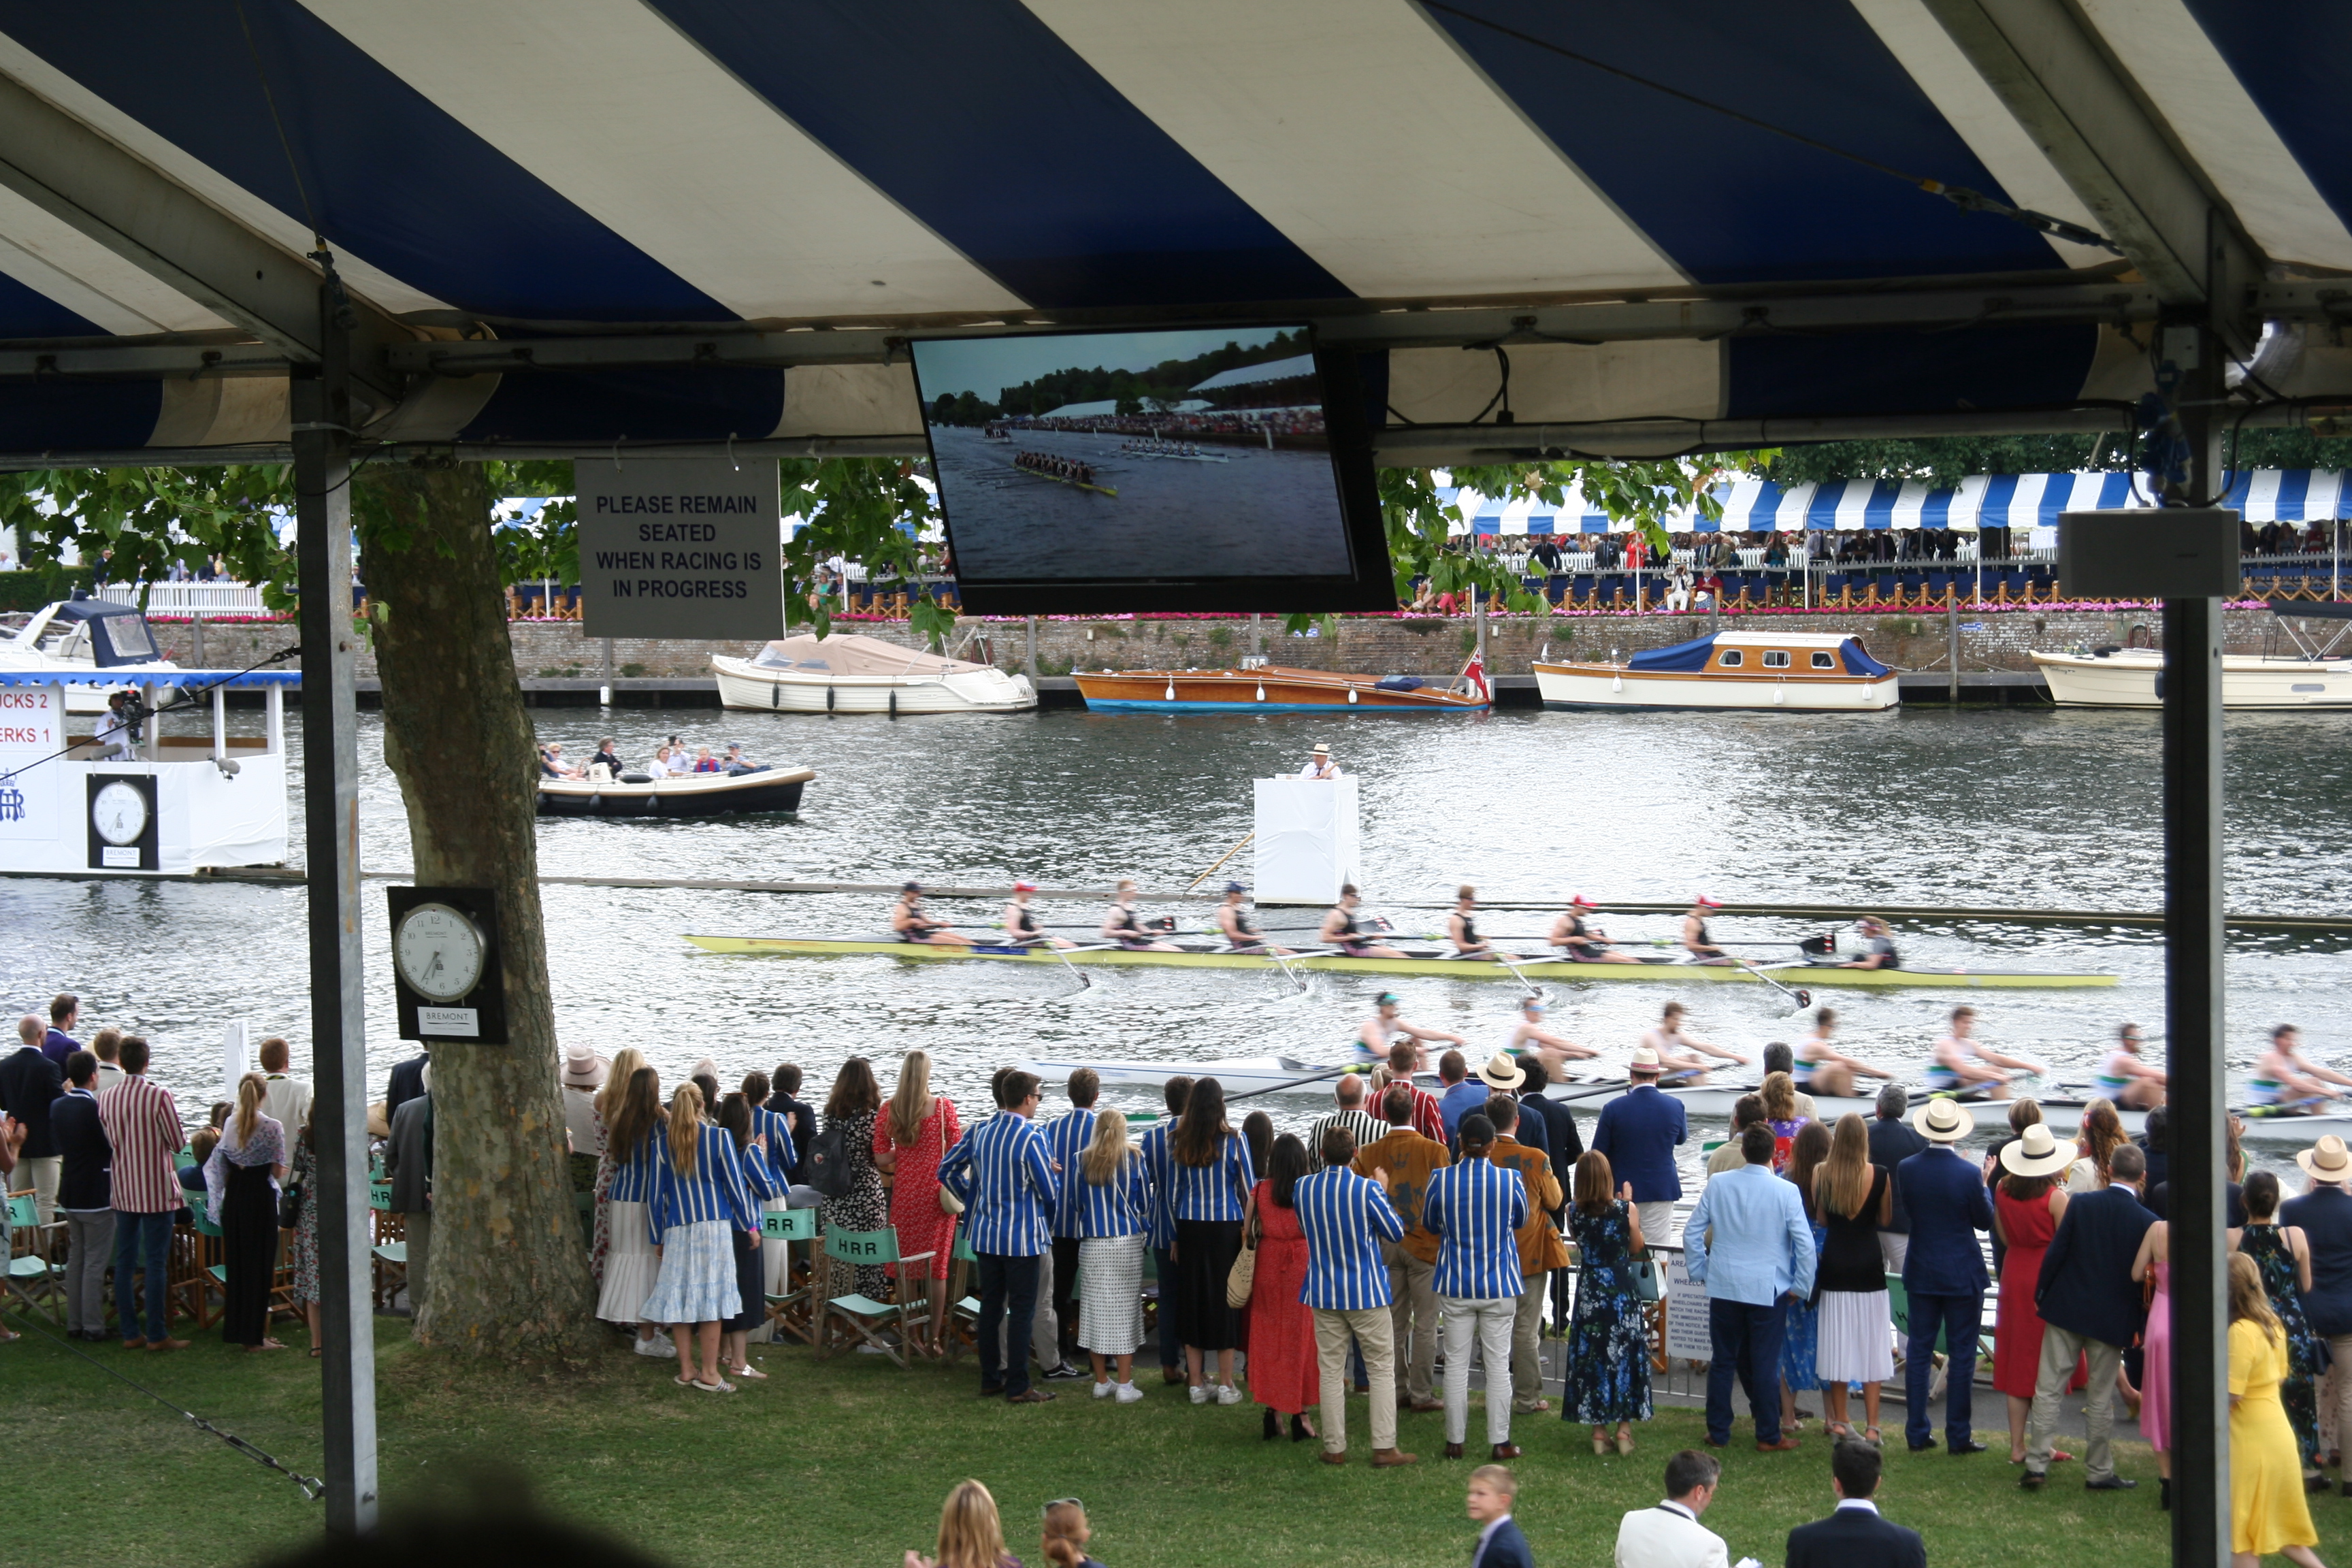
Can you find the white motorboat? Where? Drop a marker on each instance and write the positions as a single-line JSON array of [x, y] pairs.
[[76, 637], [2132, 676], [1800, 671], [849, 674]]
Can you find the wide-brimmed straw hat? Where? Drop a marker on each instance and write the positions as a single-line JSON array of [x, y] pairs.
[[583, 1069], [2035, 1153], [1942, 1122], [1502, 1072], [1645, 1059], [2327, 1160]]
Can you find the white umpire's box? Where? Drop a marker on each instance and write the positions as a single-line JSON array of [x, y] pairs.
[[1306, 839]]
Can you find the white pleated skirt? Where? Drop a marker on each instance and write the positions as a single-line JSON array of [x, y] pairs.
[[629, 1266], [1857, 1338], [698, 1276], [1110, 1294]]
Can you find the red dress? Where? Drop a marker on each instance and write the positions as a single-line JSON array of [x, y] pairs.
[[915, 1185], [2017, 1327], [1283, 1373]]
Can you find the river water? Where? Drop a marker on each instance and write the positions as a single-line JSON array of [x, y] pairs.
[[2004, 807]]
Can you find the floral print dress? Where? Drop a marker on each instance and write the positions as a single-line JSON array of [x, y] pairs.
[[866, 1206], [2306, 1354], [1608, 1372], [304, 1255]]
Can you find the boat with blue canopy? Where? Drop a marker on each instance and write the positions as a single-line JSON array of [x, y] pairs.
[[1808, 672]]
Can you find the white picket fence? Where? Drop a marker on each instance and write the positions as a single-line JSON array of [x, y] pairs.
[[176, 600]]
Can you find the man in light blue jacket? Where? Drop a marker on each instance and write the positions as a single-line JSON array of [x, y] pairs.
[[1749, 1244]]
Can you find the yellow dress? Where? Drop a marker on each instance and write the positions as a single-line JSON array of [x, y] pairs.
[[2267, 1510]]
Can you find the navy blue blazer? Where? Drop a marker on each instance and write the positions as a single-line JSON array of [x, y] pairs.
[[1855, 1537], [1947, 1203], [1892, 1142], [1507, 1548], [85, 1178], [2326, 1216], [29, 1082], [1638, 1132], [2087, 1286]]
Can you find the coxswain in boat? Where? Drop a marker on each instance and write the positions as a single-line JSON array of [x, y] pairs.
[[2285, 1079], [1344, 928], [1819, 1068], [1021, 928], [1527, 1035], [1581, 944], [1234, 922], [1320, 765], [2130, 1079], [1877, 946], [1379, 1034], [1672, 1047], [1697, 941], [1462, 929], [1123, 926], [911, 924], [1962, 1065]]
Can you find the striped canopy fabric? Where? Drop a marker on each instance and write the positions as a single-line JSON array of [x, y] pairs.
[[516, 173]]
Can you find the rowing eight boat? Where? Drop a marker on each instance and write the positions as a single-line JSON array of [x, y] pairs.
[[1427, 963]]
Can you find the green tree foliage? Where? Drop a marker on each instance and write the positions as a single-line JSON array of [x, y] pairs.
[[1945, 460]]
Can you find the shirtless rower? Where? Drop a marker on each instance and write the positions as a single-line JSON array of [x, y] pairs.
[[2284, 1077], [1021, 928], [1383, 1029], [1342, 930], [1697, 941], [1962, 1065], [1526, 1032], [1668, 1041], [1820, 1068], [1462, 930], [1877, 947], [1581, 943], [1234, 922], [908, 922], [2130, 1079], [1122, 925]]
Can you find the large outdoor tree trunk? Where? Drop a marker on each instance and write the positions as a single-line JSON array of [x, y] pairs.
[[509, 1275]]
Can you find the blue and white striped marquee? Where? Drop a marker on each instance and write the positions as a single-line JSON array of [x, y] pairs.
[[1712, 224]]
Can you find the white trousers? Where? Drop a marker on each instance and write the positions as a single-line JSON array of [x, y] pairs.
[[1489, 1322]]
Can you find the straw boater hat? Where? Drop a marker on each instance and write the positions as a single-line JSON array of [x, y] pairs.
[[1322, 748], [1502, 1072], [2035, 1153], [1645, 1059], [2327, 1160], [583, 1069], [1942, 1122]]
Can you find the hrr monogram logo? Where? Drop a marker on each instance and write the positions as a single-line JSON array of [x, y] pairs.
[[12, 799]]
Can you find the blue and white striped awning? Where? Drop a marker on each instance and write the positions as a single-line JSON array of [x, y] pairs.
[[2006, 500], [525, 169]]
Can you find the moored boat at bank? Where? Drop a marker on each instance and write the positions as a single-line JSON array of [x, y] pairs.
[[687, 794], [849, 674], [1801, 671], [1274, 689], [75, 638]]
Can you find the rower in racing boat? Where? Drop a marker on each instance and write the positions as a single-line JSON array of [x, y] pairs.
[[1669, 1043], [1234, 922], [1377, 1033], [911, 924], [2127, 1077], [1697, 941], [1964, 1066], [1877, 946], [1344, 929], [1527, 1033], [1462, 930], [1581, 943], [2282, 1077], [1021, 928], [1122, 925], [1820, 1068]]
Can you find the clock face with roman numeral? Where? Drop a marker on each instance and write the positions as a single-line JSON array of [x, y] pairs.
[[439, 952], [118, 812]]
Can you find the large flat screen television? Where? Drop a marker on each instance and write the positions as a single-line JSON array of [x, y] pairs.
[[1205, 468]]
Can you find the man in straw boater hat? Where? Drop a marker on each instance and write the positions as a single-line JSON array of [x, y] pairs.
[[1320, 765], [1943, 1274], [2324, 1216], [1638, 1130], [2090, 1306]]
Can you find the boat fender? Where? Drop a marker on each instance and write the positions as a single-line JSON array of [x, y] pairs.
[[1616, 683], [829, 694], [1261, 694], [1170, 695], [1351, 697], [894, 704], [1779, 695]]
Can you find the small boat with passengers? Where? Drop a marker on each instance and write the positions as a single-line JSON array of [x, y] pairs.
[[1277, 688], [1806, 672], [687, 794]]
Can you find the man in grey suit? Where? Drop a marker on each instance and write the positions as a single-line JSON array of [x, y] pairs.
[[408, 1162]]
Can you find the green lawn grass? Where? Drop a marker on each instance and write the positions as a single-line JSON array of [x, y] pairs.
[[845, 1462]]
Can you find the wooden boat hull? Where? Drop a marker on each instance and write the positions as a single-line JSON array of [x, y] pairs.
[[2130, 679], [1793, 691], [1453, 969], [697, 795], [1270, 689], [745, 685]]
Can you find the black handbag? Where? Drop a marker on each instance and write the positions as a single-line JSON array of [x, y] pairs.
[[290, 1206]]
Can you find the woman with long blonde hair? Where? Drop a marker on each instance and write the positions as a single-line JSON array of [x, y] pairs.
[[1854, 1322], [911, 1136], [972, 1532], [603, 1109], [2103, 1133], [241, 1179], [2268, 1512], [631, 1148], [699, 1197], [1114, 1212]]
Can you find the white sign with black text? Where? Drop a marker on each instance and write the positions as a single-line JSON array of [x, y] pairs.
[[680, 547]]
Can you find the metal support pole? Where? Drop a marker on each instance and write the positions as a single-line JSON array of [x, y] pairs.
[[1952, 643], [2198, 1084], [320, 404], [1029, 652], [604, 693], [1478, 611]]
